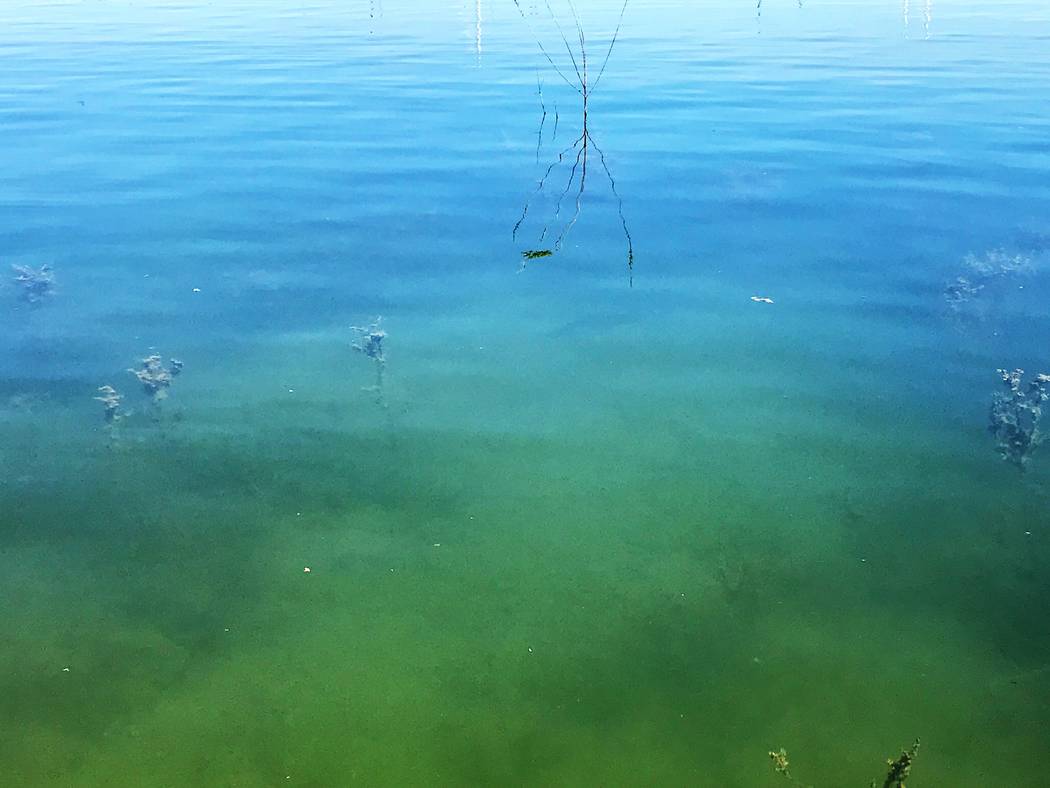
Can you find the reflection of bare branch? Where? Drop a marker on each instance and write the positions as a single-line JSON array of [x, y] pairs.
[[619, 206], [565, 41], [544, 51], [568, 187], [539, 134], [539, 187], [579, 194], [612, 43], [580, 66]]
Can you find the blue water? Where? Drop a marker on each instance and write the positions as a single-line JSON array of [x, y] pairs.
[[597, 517]]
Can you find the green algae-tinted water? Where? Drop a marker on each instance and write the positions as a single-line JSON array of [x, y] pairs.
[[607, 526]]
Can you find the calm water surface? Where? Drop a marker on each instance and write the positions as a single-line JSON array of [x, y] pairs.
[[595, 518]]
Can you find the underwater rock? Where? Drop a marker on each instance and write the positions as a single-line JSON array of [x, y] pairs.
[[155, 377], [37, 283], [1015, 415], [110, 399]]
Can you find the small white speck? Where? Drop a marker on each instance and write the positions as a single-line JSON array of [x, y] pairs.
[[196, 290], [1027, 533], [298, 514], [306, 569], [291, 391], [530, 649], [437, 544], [864, 560], [226, 629], [65, 670]]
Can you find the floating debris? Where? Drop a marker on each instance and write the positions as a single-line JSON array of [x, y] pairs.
[[155, 377], [535, 254], [762, 299], [37, 283], [1015, 416], [110, 399]]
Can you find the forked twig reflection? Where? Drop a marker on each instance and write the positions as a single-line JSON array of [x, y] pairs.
[[578, 78]]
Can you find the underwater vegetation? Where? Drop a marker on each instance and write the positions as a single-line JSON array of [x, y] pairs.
[[110, 399], [898, 768], [579, 79], [155, 378], [370, 343], [1015, 415], [981, 273], [37, 283]]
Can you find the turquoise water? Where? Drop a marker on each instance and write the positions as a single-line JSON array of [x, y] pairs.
[[607, 521]]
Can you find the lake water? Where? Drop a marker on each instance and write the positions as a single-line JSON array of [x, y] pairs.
[[711, 479]]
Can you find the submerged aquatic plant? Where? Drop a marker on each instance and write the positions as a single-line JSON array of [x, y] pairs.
[[155, 378], [110, 400], [1015, 415], [370, 343], [37, 283], [960, 292], [982, 272], [899, 768], [581, 82], [780, 763], [997, 263]]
